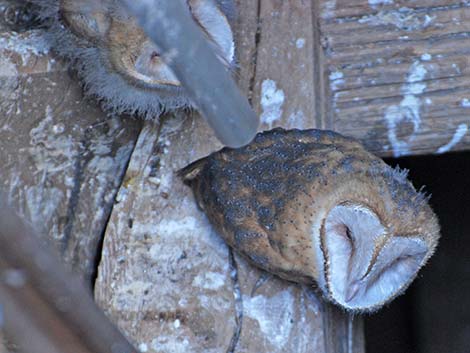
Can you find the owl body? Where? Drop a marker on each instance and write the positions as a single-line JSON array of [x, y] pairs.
[[314, 207], [117, 63]]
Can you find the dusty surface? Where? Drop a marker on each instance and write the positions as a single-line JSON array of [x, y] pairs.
[[170, 282], [61, 157], [168, 279], [398, 73], [391, 73]]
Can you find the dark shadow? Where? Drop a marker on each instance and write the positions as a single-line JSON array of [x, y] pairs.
[[434, 314]]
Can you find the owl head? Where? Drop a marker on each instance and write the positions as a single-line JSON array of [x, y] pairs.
[[118, 63], [315, 207]]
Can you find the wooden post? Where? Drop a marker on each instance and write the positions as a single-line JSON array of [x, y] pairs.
[[166, 277], [44, 308], [394, 77], [63, 159]]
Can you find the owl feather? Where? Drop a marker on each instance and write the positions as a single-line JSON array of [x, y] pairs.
[[117, 63], [315, 207]]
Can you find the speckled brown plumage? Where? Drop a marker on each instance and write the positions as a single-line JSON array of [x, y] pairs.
[[270, 198]]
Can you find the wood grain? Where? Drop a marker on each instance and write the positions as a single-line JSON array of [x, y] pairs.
[[398, 73], [393, 73], [286, 65], [45, 308], [62, 158], [165, 277]]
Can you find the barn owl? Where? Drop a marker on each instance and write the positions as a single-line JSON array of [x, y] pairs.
[[315, 207], [117, 62]]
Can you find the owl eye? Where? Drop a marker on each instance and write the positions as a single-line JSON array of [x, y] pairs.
[[348, 234], [344, 232]]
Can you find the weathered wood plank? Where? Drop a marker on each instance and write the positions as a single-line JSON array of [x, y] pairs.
[[284, 85], [345, 9], [246, 36], [396, 78], [61, 157], [278, 316], [398, 73], [165, 277]]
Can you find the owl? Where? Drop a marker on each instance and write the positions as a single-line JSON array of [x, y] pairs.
[[315, 207], [117, 62]]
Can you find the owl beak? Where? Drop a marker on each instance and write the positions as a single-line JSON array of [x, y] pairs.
[[353, 289]]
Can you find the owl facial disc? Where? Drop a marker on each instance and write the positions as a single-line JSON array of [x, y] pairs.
[[366, 266]]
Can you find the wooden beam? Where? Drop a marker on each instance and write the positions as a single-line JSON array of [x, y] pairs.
[[44, 308], [392, 74], [166, 278], [286, 82], [398, 73], [62, 158]]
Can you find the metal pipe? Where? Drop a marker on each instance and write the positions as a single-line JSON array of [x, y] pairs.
[[207, 82]]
